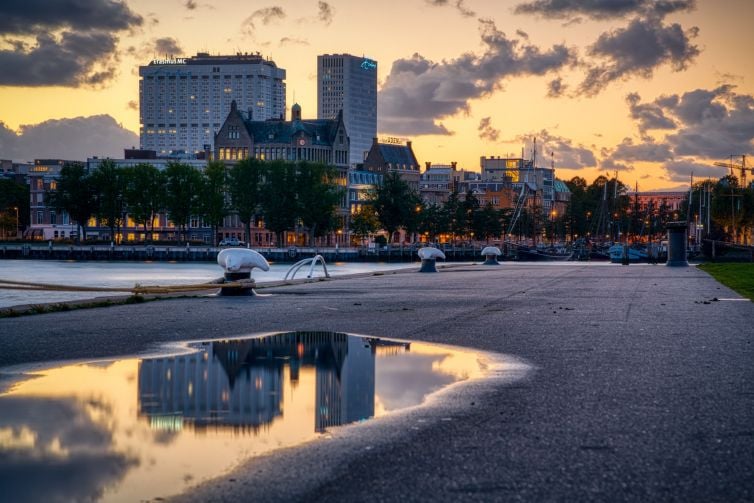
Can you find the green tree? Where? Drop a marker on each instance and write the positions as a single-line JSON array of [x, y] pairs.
[[395, 203], [364, 222], [434, 221], [14, 197], [109, 188], [214, 188], [278, 197], [144, 193], [75, 194], [317, 197], [487, 222], [183, 187], [244, 187]]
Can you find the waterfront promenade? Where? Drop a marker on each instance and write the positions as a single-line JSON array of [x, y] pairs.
[[640, 388]]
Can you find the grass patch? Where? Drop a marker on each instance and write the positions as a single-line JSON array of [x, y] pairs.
[[736, 276]]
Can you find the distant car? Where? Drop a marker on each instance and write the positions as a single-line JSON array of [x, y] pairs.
[[231, 242]]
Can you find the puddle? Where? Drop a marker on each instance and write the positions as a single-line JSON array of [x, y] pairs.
[[137, 429]]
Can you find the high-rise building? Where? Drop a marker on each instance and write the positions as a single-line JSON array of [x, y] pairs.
[[184, 101], [349, 83]]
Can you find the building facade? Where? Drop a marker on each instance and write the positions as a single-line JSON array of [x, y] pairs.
[[183, 101], [46, 222], [523, 176], [384, 158], [313, 140], [349, 83]]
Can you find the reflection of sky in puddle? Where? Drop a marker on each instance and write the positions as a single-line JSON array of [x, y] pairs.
[[137, 429]]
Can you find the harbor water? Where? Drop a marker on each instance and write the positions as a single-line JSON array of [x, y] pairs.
[[129, 274]]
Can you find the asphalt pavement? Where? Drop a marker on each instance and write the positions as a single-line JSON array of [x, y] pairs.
[[640, 383]]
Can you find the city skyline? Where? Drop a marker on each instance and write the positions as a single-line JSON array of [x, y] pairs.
[[651, 89]]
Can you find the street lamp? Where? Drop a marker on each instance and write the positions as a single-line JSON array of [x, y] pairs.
[[16, 208]]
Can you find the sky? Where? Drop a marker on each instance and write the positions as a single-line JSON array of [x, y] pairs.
[[652, 89]]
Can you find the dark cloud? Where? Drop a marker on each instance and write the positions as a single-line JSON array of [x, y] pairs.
[[41, 16], [681, 170], [556, 88], [190, 4], [648, 115], [647, 152], [486, 131], [417, 92], [637, 50], [132, 105], [74, 139], [73, 59], [610, 164], [558, 149], [709, 124], [458, 4], [167, 45], [293, 41], [157, 47], [69, 457], [74, 41], [602, 9], [326, 12], [265, 16]]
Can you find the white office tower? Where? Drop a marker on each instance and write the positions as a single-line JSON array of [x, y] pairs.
[[184, 101], [349, 83]]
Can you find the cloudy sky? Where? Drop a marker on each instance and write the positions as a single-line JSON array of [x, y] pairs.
[[654, 89]]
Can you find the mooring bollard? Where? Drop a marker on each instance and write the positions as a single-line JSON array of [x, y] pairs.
[[429, 257], [677, 239], [238, 263], [491, 253]]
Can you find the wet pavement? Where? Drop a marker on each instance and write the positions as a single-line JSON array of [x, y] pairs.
[[641, 388], [140, 429]]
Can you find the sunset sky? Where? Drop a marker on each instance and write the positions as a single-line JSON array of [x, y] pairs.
[[653, 89]]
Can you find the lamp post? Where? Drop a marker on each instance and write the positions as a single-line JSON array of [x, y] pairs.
[[553, 215], [16, 236]]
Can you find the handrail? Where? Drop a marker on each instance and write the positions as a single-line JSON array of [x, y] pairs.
[[301, 263]]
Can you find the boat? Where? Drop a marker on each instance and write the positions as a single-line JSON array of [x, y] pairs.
[[539, 253], [636, 253]]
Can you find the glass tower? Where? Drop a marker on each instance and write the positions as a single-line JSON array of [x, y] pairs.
[[349, 83]]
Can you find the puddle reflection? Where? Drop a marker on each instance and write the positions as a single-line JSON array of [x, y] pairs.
[[137, 429]]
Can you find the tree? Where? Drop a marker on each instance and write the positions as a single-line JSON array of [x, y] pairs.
[[365, 222], [144, 193], [244, 187], [75, 194], [317, 197], [395, 202], [278, 197], [14, 197], [434, 221], [213, 207], [183, 185], [109, 187], [487, 222]]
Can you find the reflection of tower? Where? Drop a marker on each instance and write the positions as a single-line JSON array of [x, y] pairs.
[[211, 387], [345, 382]]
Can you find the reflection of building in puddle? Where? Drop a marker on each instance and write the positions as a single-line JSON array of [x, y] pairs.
[[239, 383]]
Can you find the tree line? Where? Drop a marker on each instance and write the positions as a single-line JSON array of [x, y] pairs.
[[395, 205], [285, 195]]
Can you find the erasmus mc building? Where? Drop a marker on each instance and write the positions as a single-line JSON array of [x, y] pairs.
[[184, 101]]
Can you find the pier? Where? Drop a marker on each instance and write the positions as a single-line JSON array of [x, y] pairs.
[[640, 388]]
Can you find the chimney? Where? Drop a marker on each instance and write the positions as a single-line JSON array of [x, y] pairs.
[[453, 165], [428, 164]]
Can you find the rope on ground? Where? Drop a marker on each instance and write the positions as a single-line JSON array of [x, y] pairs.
[[136, 290]]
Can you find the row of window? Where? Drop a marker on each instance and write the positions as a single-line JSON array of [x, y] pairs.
[[204, 77]]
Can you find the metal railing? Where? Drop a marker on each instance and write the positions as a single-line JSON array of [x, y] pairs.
[[312, 261]]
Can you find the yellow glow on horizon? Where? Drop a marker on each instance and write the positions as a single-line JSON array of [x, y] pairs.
[[520, 108]]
